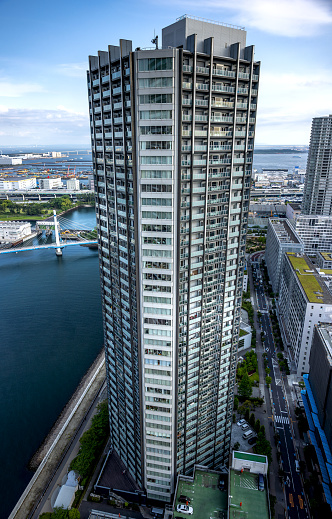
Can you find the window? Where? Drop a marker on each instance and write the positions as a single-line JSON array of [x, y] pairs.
[[156, 215], [155, 114], [147, 64], [156, 174], [156, 188], [157, 201], [155, 98], [156, 145], [156, 130], [155, 82], [156, 160]]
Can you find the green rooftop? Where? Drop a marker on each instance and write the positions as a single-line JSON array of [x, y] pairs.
[[247, 456], [328, 272], [307, 278], [207, 500], [246, 501], [326, 255]]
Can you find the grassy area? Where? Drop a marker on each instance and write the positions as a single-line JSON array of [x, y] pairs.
[[308, 281], [5, 217], [327, 271], [243, 333]]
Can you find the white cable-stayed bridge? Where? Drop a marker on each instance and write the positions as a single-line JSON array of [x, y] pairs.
[[62, 230]]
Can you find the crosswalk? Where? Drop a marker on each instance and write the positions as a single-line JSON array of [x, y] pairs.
[[282, 419]]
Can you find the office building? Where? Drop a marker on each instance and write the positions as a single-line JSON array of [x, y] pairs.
[[324, 260], [50, 183], [280, 238], [317, 400], [14, 183], [317, 196], [172, 139], [11, 232], [73, 184], [315, 232], [305, 299]]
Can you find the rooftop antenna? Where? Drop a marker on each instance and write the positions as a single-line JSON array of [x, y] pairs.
[[155, 40]]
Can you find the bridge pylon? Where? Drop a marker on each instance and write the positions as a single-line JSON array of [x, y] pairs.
[[58, 250]]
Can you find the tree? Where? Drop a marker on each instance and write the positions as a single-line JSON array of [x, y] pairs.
[[74, 514], [257, 426], [245, 388], [268, 381], [236, 403], [246, 415], [252, 420], [60, 513], [236, 446]]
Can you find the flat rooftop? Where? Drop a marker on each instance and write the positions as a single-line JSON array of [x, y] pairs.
[[244, 489], [326, 255], [284, 231], [207, 500], [311, 282]]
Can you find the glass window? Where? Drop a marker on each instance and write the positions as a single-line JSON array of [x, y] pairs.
[[155, 82], [148, 64]]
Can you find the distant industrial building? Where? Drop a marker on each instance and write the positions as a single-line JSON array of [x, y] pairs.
[[316, 233], [305, 299], [259, 214], [56, 154], [317, 196], [281, 237], [50, 183], [73, 184], [317, 401], [17, 183], [5, 160], [14, 231]]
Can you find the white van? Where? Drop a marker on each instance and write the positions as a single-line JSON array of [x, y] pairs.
[[297, 466], [247, 434]]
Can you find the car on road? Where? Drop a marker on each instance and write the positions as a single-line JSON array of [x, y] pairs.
[[260, 482], [241, 422], [185, 509], [184, 499]]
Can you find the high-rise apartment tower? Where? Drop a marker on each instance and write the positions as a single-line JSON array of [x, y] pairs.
[[172, 138], [317, 196]]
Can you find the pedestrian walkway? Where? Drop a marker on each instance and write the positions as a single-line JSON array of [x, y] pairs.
[[282, 419]]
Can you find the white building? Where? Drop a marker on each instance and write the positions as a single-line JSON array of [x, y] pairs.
[[10, 161], [14, 231], [91, 181], [17, 183], [315, 232], [73, 184], [304, 300], [281, 237], [50, 183]]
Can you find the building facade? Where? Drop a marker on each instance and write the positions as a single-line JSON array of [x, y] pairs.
[[315, 232], [280, 238], [50, 183], [14, 231], [317, 400], [172, 140], [317, 196], [304, 300], [73, 184], [13, 183]]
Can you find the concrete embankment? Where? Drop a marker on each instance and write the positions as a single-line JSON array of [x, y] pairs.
[[55, 445]]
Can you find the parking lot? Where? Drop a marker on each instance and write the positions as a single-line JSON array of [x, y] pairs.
[[237, 437]]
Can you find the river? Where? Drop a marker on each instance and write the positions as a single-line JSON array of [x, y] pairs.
[[50, 333]]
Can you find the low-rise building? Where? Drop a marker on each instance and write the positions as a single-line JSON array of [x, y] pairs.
[[50, 183], [293, 210], [248, 491], [317, 401], [73, 184], [5, 160], [14, 231], [316, 233], [17, 183], [304, 300], [281, 237], [324, 260]]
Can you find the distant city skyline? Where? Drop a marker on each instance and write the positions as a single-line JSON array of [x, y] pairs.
[[43, 62]]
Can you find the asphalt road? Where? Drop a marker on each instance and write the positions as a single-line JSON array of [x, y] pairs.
[[296, 505]]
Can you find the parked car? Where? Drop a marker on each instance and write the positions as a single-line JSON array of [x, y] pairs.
[[247, 435], [245, 427], [241, 422], [252, 440], [185, 509], [184, 499], [260, 482]]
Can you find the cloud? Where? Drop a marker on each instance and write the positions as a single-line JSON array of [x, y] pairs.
[[12, 89], [73, 69], [292, 18], [19, 126]]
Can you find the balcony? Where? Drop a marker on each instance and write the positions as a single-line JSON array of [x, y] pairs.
[[223, 73], [223, 88], [221, 134], [106, 93], [107, 108], [242, 106], [116, 75], [225, 104], [97, 110], [96, 82], [98, 123], [117, 120], [187, 68], [187, 86], [96, 97], [107, 122], [105, 79], [218, 119]]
